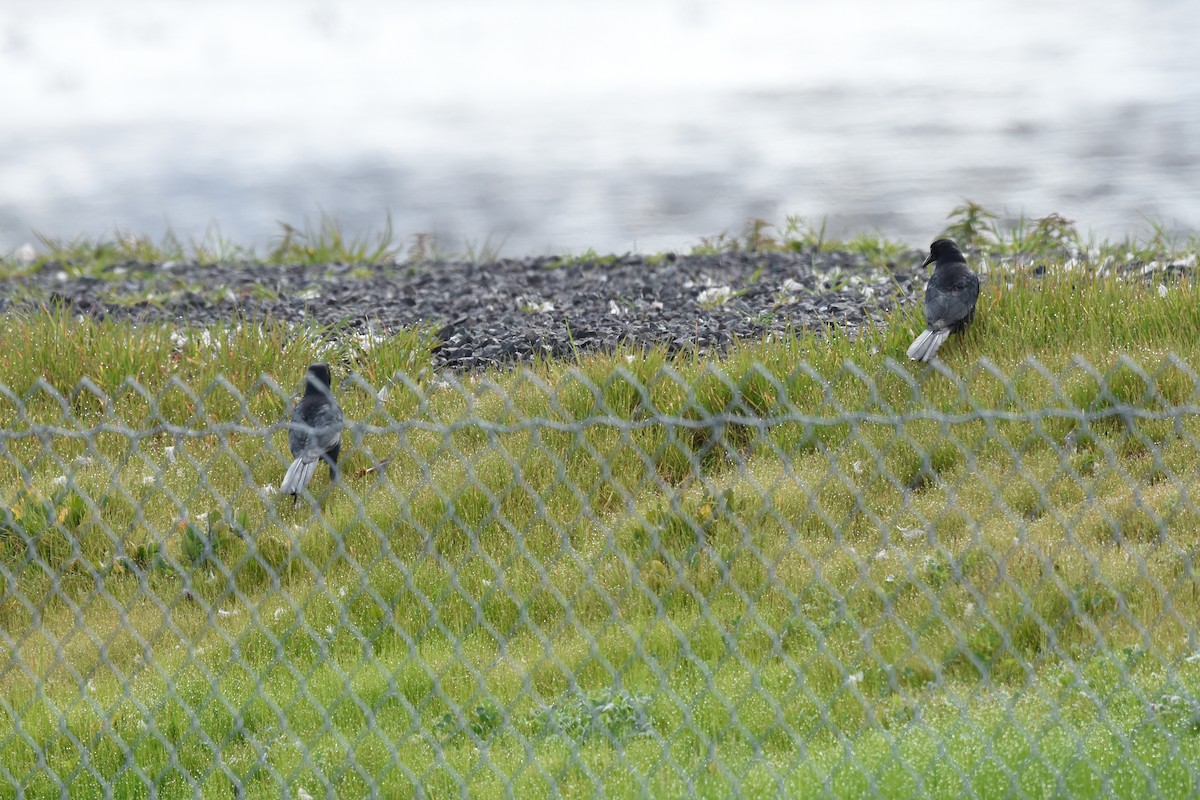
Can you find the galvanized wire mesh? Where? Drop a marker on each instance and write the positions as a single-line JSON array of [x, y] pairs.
[[636, 583]]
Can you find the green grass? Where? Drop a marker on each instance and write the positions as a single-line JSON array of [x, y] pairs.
[[857, 577], [321, 243], [987, 234]]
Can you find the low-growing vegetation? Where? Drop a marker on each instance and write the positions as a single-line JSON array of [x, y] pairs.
[[799, 568]]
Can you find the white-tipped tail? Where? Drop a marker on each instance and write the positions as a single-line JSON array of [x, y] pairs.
[[926, 345], [298, 475]]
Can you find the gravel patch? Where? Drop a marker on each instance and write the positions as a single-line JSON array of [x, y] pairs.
[[509, 311]]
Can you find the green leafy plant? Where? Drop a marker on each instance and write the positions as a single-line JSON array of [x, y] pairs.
[[210, 542], [612, 715], [972, 225], [484, 720]]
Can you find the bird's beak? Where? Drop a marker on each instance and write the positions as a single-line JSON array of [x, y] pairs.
[[928, 260]]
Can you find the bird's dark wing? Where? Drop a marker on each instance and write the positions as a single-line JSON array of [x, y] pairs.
[[950, 296], [316, 427]]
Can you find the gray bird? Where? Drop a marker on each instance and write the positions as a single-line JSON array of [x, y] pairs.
[[314, 434], [950, 298]]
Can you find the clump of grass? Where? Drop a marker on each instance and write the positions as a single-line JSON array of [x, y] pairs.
[[992, 235], [759, 235], [589, 257], [91, 256], [326, 243], [214, 247]]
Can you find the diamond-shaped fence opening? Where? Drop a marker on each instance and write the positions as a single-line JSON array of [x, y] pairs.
[[641, 582]]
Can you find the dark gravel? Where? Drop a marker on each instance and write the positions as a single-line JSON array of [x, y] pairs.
[[510, 310]]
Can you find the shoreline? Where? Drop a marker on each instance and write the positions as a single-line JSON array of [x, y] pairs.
[[505, 312], [486, 311]]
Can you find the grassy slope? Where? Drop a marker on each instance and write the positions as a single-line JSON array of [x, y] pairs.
[[872, 600]]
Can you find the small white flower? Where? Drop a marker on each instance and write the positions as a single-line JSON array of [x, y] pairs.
[[369, 339], [147, 480], [221, 612], [629, 359], [716, 295], [278, 613], [25, 254], [170, 451], [613, 308], [854, 678], [61, 480], [1162, 290]]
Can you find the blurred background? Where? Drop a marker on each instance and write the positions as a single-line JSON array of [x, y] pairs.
[[551, 126]]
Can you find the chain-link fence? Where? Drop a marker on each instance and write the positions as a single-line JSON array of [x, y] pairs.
[[627, 583]]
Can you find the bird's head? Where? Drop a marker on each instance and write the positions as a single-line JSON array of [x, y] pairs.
[[943, 250], [318, 379]]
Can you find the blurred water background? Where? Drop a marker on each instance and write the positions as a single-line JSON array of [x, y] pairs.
[[562, 125]]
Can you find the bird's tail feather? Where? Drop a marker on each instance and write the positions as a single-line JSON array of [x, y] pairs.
[[297, 477], [926, 345]]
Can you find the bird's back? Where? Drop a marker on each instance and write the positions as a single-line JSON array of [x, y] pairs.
[[951, 295], [316, 424]]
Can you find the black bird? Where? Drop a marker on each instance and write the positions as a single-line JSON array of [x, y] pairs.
[[950, 298], [315, 433]]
